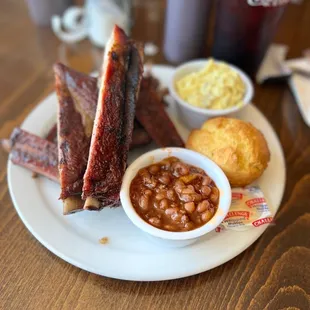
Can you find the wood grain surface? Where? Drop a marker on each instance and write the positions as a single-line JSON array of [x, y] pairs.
[[274, 273]]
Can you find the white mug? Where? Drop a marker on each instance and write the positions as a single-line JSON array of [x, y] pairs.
[[95, 21]]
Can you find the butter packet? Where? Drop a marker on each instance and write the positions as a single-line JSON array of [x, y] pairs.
[[248, 210]]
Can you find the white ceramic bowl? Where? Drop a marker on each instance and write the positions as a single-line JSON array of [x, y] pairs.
[[177, 239], [192, 116]]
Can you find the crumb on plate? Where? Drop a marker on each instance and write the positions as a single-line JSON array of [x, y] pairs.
[[104, 240]]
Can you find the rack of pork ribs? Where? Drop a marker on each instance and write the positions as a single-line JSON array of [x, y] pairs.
[[99, 120]]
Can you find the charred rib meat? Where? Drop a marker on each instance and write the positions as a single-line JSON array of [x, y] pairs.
[[139, 136], [77, 98], [151, 113], [112, 132], [34, 153]]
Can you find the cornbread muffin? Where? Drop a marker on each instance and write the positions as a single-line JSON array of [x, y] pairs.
[[236, 146]]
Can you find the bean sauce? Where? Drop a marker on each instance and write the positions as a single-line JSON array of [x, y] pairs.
[[172, 195]]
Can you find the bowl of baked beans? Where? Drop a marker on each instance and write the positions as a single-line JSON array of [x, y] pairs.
[[175, 195]]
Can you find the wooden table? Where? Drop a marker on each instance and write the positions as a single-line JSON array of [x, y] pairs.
[[274, 273]]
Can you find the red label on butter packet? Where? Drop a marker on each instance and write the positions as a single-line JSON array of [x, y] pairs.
[[255, 201], [244, 214], [263, 221], [235, 196]]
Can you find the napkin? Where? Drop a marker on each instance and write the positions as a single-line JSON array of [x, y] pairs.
[[295, 71]]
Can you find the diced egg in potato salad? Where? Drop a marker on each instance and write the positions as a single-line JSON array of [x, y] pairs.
[[217, 86]]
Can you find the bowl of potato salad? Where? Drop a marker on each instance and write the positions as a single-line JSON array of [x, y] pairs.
[[209, 88]]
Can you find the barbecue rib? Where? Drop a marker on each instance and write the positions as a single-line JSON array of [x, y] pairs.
[[41, 157], [52, 137], [32, 152], [77, 98], [150, 112], [112, 132], [139, 136]]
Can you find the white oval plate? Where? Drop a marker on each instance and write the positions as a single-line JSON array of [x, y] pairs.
[[129, 254]]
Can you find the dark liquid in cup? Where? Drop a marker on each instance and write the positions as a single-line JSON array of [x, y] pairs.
[[243, 32]]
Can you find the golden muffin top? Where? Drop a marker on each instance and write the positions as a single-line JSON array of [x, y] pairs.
[[236, 146]]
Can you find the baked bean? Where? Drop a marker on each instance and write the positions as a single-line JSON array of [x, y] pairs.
[[198, 221], [155, 221], [191, 197], [187, 190], [144, 202], [166, 164], [176, 216], [174, 196], [206, 216], [187, 179], [160, 196], [157, 189], [179, 185], [164, 204], [171, 195], [215, 191], [205, 190], [203, 206], [171, 211], [186, 198], [189, 226], [154, 169], [169, 227], [150, 182], [181, 168], [148, 192], [178, 189], [146, 176], [189, 207], [215, 195], [213, 198], [164, 179], [144, 172], [206, 180], [197, 197], [184, 219]]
